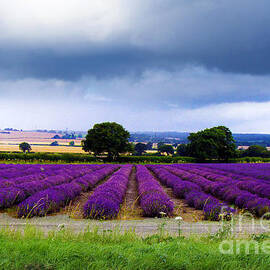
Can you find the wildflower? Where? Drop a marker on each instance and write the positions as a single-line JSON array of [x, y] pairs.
[[61, 226]]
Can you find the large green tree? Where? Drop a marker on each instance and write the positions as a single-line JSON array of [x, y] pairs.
[[107, 138], [25, 147], [212, 143]]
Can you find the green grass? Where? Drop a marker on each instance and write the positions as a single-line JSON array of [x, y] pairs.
[[31, 249]]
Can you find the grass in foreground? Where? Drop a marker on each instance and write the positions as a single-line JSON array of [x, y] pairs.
[[63, 249]]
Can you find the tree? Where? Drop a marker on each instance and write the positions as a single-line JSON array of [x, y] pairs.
[[160, 144], [182, 150], [255, 151], [212, 143], [140, 148], [71, 143], [149, 146], [25, 147], [55, 143], [107, 137], [166, 148]]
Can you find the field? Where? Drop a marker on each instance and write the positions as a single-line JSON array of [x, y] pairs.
[[44, 148], [39, 141], [110, 191], [104, 216]]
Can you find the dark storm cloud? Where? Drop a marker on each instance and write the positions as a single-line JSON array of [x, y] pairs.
[[45, 64], [148, 64], [232, 36]]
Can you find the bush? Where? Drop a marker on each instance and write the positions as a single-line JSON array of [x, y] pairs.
[[73, 157]]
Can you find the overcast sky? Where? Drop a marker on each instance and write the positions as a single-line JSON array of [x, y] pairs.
[[156, 65]]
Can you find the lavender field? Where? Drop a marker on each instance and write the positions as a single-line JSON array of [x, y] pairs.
[[210, 191]]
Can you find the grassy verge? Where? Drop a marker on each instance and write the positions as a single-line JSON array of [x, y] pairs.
[[31, 249]]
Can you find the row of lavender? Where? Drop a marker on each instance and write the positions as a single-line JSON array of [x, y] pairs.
[[107, 198], [192, 192], [41, 189], [234, 184], [20, 188], [51, 199]]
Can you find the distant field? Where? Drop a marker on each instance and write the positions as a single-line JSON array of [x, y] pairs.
[[39, 142], [44, 148], [33, 137]]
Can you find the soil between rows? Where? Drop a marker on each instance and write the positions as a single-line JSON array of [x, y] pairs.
[[75, 208], [130, 209], [181, 208]]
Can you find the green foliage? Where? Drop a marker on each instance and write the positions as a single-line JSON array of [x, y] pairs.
[[183, 150], [149, 146], [251, 160], [83, 158], [213, 143], [108, 137], [64, 249], [25, 147], [140, 149], [160, 144], [17, 157], [48, 157], [55, 143], [71, 143], [166, 148], [255, 151]]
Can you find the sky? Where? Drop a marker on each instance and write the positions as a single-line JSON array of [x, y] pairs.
[[150, 65]]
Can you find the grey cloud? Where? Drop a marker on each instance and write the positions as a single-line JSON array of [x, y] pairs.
[[190, 87], [133, 36], [148, 64]]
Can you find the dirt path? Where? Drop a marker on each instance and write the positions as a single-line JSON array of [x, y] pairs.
[[130, 208], [145, 227], [75, 208], [181, 208]]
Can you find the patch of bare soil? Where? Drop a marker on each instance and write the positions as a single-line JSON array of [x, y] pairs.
[[12, 211], [75, 207], [130, 208], [181, 208]]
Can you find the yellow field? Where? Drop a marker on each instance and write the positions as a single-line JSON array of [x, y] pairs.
[[10, 142], [45, 148], [33, 137]]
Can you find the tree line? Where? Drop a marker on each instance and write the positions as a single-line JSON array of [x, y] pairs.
[[111, 139]]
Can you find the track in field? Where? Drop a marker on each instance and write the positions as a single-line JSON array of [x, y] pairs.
[[181, 208], [130, 208], [75, 208]]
